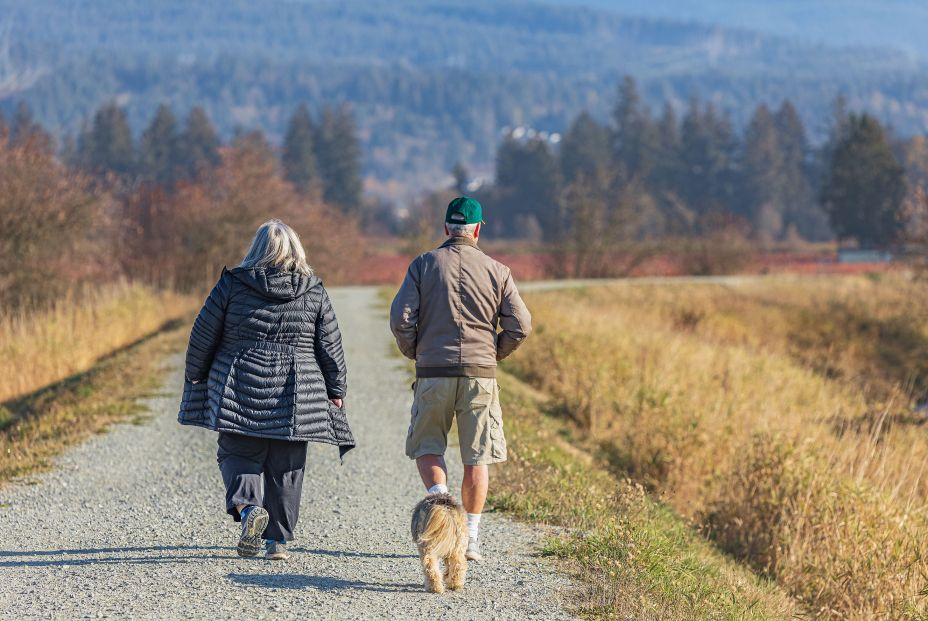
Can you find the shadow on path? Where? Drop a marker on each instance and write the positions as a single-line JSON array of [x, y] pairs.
[[350, 553], [160, 554], [320, 583], [110, 560]]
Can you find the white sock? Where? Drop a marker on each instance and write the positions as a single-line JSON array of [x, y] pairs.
[[473, 525], [438, 488]]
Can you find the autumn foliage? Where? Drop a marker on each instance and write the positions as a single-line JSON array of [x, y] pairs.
[[62, 230]]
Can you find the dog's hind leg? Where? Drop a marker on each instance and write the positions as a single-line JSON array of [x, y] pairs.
[[433, 580], [455, 569]]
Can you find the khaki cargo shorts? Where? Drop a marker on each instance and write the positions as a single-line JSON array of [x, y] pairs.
[[475, 403]]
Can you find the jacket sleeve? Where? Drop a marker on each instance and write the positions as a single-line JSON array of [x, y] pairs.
[[514, 320], [329, 352], [207, 331], [404, 312]]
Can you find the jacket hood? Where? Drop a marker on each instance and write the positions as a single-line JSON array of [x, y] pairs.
[[275, 283]]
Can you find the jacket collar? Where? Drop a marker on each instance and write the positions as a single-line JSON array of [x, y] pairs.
[[460, 241]]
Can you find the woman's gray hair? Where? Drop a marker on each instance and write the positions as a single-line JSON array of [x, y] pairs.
[[277, 245]]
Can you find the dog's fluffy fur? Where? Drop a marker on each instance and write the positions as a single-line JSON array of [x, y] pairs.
[[439, 528]]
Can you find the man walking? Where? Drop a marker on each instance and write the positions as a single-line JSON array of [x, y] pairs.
[[457, 314]]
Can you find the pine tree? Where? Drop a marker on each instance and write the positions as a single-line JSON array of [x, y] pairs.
[[106, 145], [668, 166], [584, 148], [159, 149], [199, 144], [762, 181], [635, 136], [864, 185], [708, 149], [528, 182], [299, 159], [338, 155], [803, 213]]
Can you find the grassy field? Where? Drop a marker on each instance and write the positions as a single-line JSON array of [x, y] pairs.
[[776, 415], [73, 370], [635, 557]]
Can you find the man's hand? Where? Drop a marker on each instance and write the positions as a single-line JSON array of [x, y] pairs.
[[337, 402]]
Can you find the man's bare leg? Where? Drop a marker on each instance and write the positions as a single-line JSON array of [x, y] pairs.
[[474, 488], [473, 497], [433, 471]]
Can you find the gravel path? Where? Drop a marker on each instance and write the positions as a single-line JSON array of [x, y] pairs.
[[132, 524]]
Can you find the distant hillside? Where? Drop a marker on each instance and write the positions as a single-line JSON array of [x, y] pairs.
[[899, 24], [432, 82]]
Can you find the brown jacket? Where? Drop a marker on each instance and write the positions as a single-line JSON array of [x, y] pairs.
[[446, 314]]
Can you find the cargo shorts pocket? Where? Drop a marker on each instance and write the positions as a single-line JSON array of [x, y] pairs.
[[497, 437]]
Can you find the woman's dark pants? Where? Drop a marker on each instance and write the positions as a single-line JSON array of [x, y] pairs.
[[265, 473]]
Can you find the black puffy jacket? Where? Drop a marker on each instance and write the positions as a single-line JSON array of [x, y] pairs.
[[266, 353]]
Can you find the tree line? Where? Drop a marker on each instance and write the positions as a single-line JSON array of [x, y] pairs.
[[645, 176], [431, 104], [172, 207]]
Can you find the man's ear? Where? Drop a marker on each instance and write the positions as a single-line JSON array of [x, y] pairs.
[[447, 232], [477, 231]]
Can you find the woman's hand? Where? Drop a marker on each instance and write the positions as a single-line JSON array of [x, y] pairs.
[[337, 403]]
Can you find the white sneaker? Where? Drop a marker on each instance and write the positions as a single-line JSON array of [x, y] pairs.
[[473, 551]]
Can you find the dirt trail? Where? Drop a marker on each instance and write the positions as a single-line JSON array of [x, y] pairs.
[[131, 524]]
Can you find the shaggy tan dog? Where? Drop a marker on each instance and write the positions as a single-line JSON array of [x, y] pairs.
[[439, 528]]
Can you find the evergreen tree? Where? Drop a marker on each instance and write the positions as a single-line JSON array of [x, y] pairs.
[[635, 136], [803, 213], [762, 181], [338, 156], [864, 184], [159, 149], [529, 187], [708, 150], [584, 148], [668, 167], [199, 144], [106, 146], [299, 159]]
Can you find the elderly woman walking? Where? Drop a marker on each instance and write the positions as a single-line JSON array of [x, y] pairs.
[[265, 369]]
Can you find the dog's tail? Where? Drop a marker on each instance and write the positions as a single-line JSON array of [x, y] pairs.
[[444, 528]]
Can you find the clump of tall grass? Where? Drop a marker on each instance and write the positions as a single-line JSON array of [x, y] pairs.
[[837, 544], [788, 439], [635, 558], [41, 347]]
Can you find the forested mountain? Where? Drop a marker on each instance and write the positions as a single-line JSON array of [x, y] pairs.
[[888, 23], [431, 82]]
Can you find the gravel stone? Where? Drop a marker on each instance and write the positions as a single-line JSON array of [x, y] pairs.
[[132, 525]]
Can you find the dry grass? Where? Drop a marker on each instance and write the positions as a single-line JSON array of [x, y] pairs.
[[636, 559], [37, 349], [76, 369], [776, 413]]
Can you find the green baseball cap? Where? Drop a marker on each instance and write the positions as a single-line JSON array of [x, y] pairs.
[[464, 210]]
